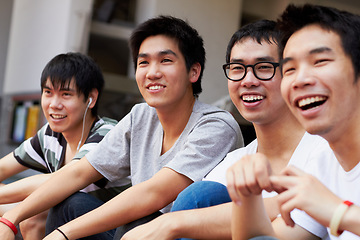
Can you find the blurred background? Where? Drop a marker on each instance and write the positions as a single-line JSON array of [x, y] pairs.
[[34, 31]]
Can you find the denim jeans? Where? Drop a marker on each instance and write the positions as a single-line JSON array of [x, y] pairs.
[[73, 207], [200, 195], [120, 231]]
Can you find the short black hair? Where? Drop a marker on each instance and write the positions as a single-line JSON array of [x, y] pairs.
[[345, 24], [259, 31], [189, 41], [67, 66]]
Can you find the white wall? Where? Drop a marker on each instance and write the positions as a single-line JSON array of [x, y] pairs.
[[5, 17], [215, 20], [41, 29]]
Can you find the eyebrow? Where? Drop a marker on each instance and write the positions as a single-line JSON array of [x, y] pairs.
[[61, 89], [160, 53], [311, 52], [259, 59]]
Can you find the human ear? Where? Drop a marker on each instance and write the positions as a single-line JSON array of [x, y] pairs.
[[93, 95], [194, 72]]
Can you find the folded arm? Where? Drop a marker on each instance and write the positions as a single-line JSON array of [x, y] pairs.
[[17, 191], [134, 203], [62, 184]]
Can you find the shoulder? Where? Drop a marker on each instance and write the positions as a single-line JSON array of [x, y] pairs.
[[207, 111], [314, 144], [251, 148]]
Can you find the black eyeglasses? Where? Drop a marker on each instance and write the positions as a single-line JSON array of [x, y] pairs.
[[262, 70]]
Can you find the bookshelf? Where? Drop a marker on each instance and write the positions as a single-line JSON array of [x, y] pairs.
[[26, 118]]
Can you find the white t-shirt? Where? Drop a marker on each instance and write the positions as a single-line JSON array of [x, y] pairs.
[[303, 154], [313, 152], [343, 184]]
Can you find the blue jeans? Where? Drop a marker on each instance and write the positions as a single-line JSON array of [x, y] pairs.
[[74, 206], [120, 231], [200, 195]]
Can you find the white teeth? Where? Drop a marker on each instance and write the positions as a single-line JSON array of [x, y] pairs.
[[252, 97], [157, 87], [310, 100], [57, 116]]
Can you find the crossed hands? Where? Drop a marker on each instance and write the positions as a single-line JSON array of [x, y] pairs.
[[296, 189]]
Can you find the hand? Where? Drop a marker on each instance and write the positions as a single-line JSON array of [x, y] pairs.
[[155, 229], [6, 233], [303, 191], [249, 176]]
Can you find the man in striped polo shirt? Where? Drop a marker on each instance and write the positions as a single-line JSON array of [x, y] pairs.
[[71, 85]]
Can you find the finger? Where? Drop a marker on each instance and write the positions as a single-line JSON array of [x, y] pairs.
[[287, 202], [263, 172], [291, 170], [282, 183], [231, 187], [251, 181], [285, 210], [240, 178], [276, 184]]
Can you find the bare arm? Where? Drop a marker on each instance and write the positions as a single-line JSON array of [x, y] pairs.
[[250, 216], [9, 166], [62, 184], [134, 203], [19, 190], [296, 187], [204, 223]]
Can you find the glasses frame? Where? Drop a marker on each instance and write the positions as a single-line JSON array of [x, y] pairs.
[[226, 65]]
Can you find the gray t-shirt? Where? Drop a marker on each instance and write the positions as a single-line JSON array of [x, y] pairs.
[[134, 146]]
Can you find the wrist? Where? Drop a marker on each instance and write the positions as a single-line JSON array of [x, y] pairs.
[[9, 224], [337, 217]]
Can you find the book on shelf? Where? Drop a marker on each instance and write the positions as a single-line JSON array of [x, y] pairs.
[[32, 122], [27, 120]]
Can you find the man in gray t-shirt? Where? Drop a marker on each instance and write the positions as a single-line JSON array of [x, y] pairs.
[[165, 144]]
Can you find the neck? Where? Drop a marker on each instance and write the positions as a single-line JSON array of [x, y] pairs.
[[346, 146], [279, 139], [73, 138], [173, 121]]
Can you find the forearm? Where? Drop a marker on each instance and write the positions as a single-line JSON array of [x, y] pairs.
[[250, 219], [204, 223], [62, 184], [132, 204], [19, 190]]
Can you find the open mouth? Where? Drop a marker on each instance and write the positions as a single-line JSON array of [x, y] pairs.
[[156, 87], [57, 116], [252, 98], [311, 102]]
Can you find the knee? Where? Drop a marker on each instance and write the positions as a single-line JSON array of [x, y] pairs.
[[75, 206], [201, 194]]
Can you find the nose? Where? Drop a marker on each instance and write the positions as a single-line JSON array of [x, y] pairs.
[[153, 71], [55, 102], [303, 78], [250, 80]]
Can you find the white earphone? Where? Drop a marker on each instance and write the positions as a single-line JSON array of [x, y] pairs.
[[82, 132], [90, 101]]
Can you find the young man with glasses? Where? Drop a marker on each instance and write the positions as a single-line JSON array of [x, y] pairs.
[[254, 86], [321, 84]]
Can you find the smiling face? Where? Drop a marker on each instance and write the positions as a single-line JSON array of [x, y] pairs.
[[318, 82], [161, 73], [63, 108], [257, 101]]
